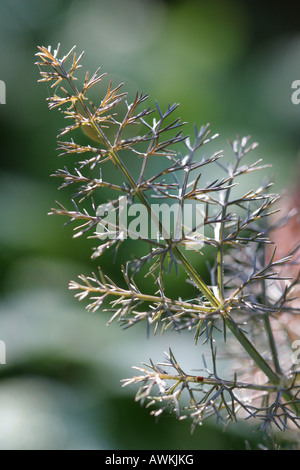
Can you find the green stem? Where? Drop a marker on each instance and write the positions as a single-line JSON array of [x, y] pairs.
[[197, 278], [123, 293], [217, 382], [251, 350], [220, 273], [272, 343], [274, 378], [267, 323]]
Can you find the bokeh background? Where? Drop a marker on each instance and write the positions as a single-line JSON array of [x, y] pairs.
[[228, 63]]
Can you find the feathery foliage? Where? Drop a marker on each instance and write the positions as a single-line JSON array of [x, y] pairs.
[[248, 294]]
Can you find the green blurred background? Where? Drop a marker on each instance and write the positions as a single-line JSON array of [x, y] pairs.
[[228, 63]]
